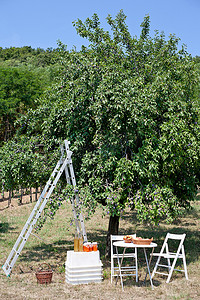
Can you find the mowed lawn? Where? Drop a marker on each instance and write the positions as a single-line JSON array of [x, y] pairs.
[[56, 238]]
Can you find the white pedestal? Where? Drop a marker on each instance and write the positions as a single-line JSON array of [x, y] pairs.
[[83, 267]]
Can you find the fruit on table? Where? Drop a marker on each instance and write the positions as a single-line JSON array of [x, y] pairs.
[[127, 237]]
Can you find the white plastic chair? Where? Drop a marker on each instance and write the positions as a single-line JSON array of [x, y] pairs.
[[166, 254], [131, 270]]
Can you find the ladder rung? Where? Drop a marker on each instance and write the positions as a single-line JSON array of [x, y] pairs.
[[23, 238], [17, 252], [164, 266], [179, 270], [162, 273]]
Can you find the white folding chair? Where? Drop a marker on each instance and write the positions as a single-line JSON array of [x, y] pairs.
[[166, 254], [129, 270]]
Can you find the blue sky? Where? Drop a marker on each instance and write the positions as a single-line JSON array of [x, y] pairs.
[[41, 23]]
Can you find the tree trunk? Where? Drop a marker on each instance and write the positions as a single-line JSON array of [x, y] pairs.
[[9, 198], [31, 198], [36, 193], [113, 228], [21, 196]]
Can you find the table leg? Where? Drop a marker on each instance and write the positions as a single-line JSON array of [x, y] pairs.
[[151, 255], [148, 269], [119, 264]]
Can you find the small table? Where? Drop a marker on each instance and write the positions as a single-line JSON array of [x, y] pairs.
[[132, 245]]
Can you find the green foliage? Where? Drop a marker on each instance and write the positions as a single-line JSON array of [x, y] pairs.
[[129, 106], [24, 75], [145, 110], [15, 56], [19, 89], [197, 65], [22, 163], [162, 204]]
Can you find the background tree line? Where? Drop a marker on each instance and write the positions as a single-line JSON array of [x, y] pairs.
[[24, 75]]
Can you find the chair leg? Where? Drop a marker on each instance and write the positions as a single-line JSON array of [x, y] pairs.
[[136, 265], [112, 270], [169, 264], [155, 268], [172, 269], [119, 264], [168, 259], [184, 263]]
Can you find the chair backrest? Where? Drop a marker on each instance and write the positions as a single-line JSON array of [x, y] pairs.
[[118, 237], [176, 236], [114, 238], [172, 236]]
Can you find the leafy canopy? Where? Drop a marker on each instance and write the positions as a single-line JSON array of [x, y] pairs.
[[129, 107]]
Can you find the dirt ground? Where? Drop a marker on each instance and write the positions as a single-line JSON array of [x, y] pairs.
[[23, 284]]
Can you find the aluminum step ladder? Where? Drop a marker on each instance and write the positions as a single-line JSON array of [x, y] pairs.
[[64, 164]]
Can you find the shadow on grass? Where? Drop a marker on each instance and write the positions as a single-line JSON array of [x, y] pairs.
[[57, 251], [5, 227], [51, 252]]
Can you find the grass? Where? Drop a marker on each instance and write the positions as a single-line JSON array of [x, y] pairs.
[[56, 238]]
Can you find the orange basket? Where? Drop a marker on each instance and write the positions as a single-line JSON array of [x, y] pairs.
[[44, 275], [142, 241]]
